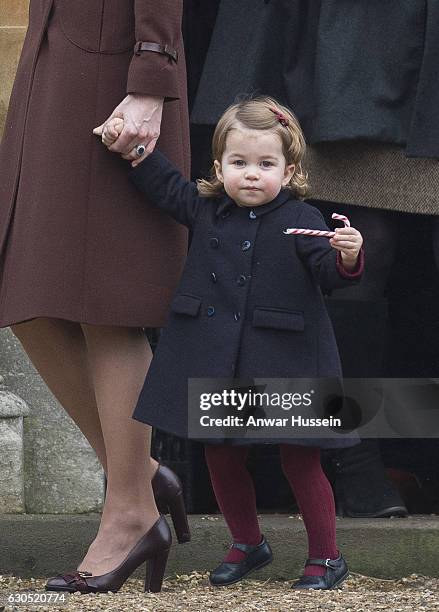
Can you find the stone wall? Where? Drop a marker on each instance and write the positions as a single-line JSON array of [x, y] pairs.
[[61, 473], [13, 21]]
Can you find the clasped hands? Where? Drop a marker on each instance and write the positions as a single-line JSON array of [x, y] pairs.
[[135, 122]]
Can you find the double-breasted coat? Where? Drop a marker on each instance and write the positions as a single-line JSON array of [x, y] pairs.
[[76, 239], [249, 303]]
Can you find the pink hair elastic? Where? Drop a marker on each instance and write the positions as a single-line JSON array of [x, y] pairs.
[[312, 232]]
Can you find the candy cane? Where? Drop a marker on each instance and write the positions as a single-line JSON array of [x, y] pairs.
[[341, 218], [311, 232]]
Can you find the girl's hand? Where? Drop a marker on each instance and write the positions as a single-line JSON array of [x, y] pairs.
[[110, 131], [142, 116], [348, 241]]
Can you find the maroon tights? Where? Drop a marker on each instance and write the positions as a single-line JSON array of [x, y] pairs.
[[235, 494]]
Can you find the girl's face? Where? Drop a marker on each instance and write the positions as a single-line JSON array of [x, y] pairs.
[[253, 167]]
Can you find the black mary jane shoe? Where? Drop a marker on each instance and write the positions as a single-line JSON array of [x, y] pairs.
[[256, 557], [336, 572]]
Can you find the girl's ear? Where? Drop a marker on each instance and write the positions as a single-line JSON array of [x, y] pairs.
[[288, 173], [219, 174]]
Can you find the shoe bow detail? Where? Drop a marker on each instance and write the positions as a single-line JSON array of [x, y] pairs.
[[77, 579]]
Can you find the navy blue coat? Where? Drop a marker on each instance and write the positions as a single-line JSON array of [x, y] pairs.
[[249, 303]]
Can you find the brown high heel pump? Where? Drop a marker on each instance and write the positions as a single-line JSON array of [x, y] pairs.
[[168, 494], [152, 547]]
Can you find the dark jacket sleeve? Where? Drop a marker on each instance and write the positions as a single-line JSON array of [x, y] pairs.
[[324, 262], [166, 188], [153, 73]]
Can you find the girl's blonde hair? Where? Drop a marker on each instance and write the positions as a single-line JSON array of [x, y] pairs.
[[257, 114]]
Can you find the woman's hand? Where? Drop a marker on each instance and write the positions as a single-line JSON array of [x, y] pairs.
[[348, 241], [142, 116]]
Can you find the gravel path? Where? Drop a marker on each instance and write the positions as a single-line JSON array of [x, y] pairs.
[[192, 594]]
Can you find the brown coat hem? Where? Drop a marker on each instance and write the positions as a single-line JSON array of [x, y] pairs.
[[154, 316]]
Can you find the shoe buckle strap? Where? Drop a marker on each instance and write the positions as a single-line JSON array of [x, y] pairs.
[[78, 578], [330, 563], [245, 548]]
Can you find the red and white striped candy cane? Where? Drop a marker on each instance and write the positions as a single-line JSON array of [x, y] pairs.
[[341, 218], [311, 232]]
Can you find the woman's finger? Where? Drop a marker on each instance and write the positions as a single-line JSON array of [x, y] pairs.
[[149, 149]]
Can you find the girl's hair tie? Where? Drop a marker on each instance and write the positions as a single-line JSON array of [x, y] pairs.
[[283, 120]]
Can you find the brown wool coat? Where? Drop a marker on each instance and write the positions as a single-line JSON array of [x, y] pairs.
[[76, 240]]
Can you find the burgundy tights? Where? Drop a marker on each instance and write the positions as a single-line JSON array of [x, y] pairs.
[[235, 495]]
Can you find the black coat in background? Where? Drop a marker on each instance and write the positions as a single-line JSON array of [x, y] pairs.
[[249, 302], [350, 69]]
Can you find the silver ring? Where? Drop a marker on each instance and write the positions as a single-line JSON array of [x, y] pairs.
[[140, 150]]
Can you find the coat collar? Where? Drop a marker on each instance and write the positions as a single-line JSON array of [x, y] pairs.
[[227, 203]]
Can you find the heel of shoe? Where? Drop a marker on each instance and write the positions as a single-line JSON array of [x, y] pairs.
[[155, 570], [178, 514]]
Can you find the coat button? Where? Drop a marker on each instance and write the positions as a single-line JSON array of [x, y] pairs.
[[246, 245], [210, 311], [214, 243], [213, 277], [241, 280], [237, 316], [252, 215]]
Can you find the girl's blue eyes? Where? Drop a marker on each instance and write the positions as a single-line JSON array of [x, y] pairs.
[[241, 163]]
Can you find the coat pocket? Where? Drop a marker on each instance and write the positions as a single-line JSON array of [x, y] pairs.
[[276, 318], [186, 305], [98, 26]]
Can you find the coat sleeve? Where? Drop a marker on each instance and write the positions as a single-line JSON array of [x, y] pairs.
[[324, 262], [166, 188], [154, 72]]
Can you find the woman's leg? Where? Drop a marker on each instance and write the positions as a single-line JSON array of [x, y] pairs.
[[119, 359], [313, 493], [362, 485], [58, 351], [235, 494]]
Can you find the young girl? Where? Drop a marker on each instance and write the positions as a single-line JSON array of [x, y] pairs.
[[250, 304]]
